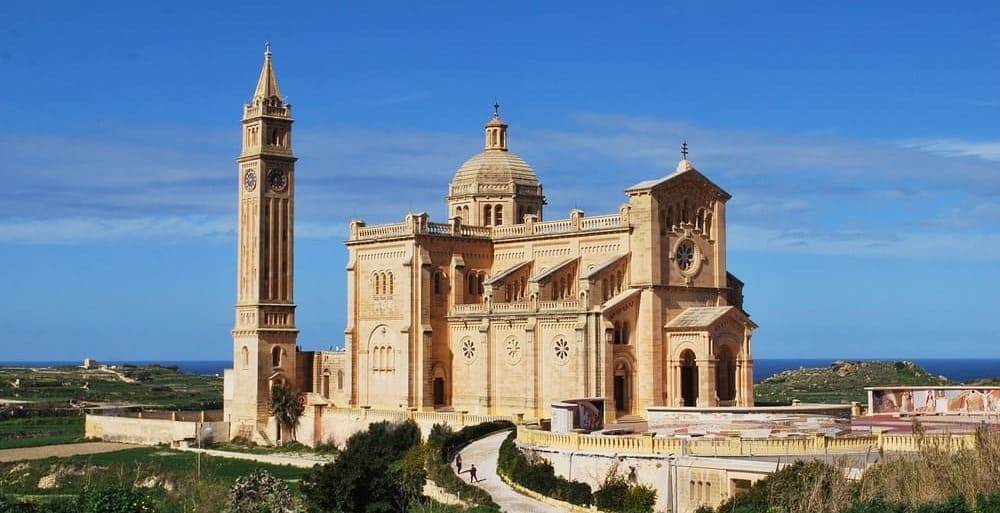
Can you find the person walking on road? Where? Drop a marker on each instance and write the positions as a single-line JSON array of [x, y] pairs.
[[472, 474], [458, 462]]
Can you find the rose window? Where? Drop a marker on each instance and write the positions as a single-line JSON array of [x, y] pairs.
[[685, 256], [513, 347], [562, 349], [468, 349]]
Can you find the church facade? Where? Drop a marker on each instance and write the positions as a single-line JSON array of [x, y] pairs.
[[496, 310]]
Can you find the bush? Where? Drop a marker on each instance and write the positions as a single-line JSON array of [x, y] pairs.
[[368, 476], [539, 476], [114, 500], [617, 494], [259, 492]]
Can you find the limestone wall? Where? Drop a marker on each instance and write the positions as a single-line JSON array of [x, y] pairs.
[[682, 483], [336, 425], [146, 431]]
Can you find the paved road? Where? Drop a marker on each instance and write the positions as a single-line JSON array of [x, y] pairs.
[[483, 453], [60, 451]]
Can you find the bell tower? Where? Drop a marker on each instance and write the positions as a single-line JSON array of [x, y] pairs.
[[264, 338]]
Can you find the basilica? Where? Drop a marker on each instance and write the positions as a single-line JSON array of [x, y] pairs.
[[497, 309]]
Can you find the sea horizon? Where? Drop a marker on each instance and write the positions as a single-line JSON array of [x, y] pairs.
[[955, 369]]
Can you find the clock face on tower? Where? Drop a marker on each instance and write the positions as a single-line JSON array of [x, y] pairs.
[[250, 180], [277, 179]]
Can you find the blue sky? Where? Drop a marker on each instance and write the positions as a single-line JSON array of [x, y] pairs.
[[859, 140]]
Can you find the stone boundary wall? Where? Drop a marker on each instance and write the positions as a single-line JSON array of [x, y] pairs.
[[682, 483], [147, 431], [735, 446], [336, 425]]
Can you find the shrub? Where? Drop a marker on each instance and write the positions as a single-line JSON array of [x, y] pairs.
[[617, 494], [114, 500], [358, 481], [259, 492]]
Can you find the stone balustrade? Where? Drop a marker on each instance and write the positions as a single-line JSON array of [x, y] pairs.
[[736, 446], [418, 225]]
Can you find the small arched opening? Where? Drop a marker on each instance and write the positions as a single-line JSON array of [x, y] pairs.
[[623, 387], [689, 378], [725, 376]]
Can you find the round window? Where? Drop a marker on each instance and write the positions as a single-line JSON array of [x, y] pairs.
[[685, 255]]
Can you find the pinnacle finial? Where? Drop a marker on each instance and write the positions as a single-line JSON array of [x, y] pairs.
[[496, 109], [684, 149], [267, 49]]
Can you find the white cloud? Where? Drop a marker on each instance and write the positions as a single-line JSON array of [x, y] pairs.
[[987, 150], [799, 187]]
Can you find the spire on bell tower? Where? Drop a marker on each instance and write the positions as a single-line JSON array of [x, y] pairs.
[[267, 84], [496, 131]]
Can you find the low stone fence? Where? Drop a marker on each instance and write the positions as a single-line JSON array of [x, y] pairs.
[[336, 425], [144, 430], [736, 446]]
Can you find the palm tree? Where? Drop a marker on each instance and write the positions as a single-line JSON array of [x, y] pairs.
[[286, 407]]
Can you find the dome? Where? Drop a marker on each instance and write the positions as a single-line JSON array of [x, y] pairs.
[[495, 167]]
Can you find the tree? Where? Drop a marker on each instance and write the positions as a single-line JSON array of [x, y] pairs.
[[286, 407], [378, 472], [259, 492]]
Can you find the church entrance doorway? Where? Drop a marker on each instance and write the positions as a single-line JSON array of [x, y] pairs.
[[438, 391], [689, 379], [623, 388]]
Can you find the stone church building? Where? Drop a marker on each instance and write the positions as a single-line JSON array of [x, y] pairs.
[[497, 309]]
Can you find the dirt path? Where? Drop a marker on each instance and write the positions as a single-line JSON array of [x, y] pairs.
[[60, 451], [295, 460]]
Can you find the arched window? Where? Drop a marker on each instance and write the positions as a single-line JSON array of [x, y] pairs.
[[245, 357], [377, 289], [276, 356], [340, 380], [487, 215], [471, 282], [604, 289], [708, 224], [391, 283], [390, 358], [498, 212], [437, 283], [481, 278]]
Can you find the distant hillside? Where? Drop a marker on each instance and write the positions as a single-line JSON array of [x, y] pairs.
[[841, 382]]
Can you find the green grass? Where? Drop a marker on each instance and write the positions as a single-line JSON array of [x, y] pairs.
[[34, 432], [173, 475], [66, 387], [840, 383]]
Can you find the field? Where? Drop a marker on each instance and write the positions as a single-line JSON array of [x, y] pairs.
[[175, 480], [42, 406], [73, 387], [32, 432], [840, 383]]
